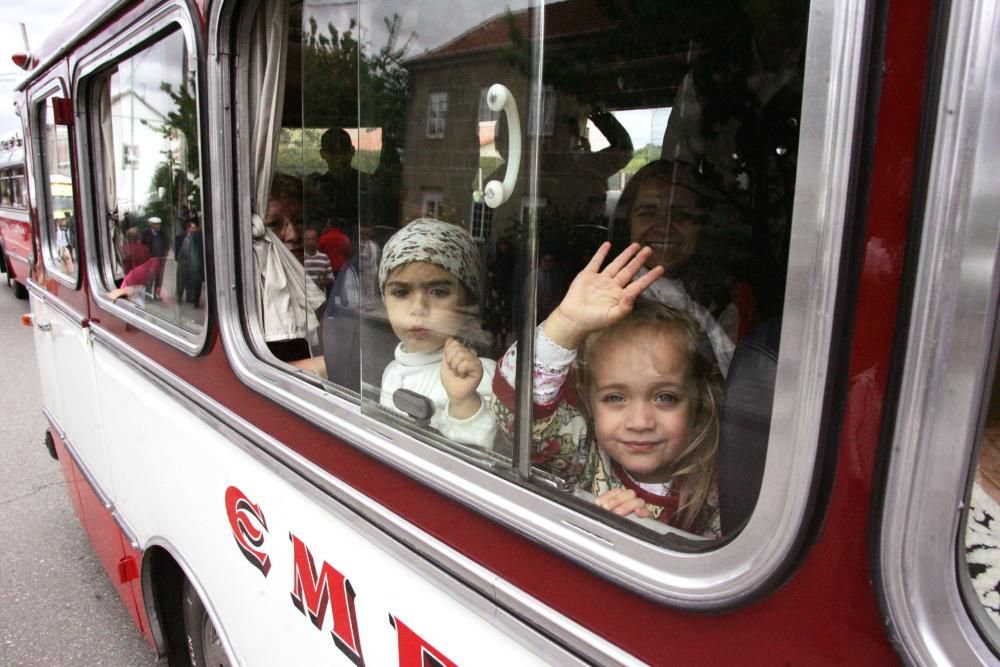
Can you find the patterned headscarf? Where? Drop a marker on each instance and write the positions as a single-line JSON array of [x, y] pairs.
[[435, 242]]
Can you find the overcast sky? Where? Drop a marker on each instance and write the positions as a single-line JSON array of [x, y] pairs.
[[39, 17]]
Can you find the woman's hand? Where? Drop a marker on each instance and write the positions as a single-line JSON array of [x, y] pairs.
[[622, 502], [597, 299], [461, 373]]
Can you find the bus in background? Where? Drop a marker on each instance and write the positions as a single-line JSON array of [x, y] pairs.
[[16, 256], [290, 258]]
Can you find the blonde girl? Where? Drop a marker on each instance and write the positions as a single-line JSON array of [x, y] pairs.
[[641, 430]]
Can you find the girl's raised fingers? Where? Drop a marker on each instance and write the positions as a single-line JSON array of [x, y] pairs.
[[594, 265], [621, 260], [639, 285]]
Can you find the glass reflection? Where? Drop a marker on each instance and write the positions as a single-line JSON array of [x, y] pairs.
[[671, 124], [60, 209], [148, 137]]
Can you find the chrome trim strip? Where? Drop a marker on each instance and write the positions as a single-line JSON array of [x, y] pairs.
[[53, 423], [50, 299], [953, 314], [433, 559], [24, 260], [145, 28], [750, 563], [15, 214], [105, 501]]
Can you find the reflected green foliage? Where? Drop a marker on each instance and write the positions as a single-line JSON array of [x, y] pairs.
[[180, 180], [333, 66]]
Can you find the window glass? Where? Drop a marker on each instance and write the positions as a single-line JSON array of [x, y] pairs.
[[147, 134], [339, 187], [391, 220], [12, 172], [57, 181], [675, 126]]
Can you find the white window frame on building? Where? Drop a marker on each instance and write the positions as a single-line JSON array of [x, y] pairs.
[[437, 115], [432, 199], [480, 221]]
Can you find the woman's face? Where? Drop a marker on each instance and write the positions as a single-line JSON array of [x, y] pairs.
[[668, 218], [283, 217]]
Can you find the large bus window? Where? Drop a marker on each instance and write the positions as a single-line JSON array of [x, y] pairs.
[[146, 134], [419, 185], [62, 254], [684, 140]]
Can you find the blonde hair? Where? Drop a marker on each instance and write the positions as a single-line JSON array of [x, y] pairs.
[[695, 465]]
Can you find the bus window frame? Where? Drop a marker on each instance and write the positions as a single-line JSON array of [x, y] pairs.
[[737, 571], [946, 366], [53, 85], [171, 17]]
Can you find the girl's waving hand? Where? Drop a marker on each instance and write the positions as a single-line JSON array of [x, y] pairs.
[[598, 298]]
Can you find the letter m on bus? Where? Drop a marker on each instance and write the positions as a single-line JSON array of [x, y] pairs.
[[312, 592]]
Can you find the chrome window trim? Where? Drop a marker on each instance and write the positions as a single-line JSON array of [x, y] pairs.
[[39, 292], [143, 32], [953, 314], [55, 86], [479, 589], [750, 563]]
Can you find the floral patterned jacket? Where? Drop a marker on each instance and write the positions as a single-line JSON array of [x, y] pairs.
[[561, 440]]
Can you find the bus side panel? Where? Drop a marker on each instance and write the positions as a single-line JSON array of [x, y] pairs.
[[15, 242], [47, 367], [104, 536], [296, 578], [71, 347]]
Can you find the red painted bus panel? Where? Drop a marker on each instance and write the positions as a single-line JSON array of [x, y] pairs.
[[105, 537]]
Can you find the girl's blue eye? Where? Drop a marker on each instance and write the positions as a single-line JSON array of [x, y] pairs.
[[399, 292], [668, 398], [613, 398], [440, 292]]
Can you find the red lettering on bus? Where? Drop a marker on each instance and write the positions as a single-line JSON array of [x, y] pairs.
[[248, 525], [312, 593], [414, 651]]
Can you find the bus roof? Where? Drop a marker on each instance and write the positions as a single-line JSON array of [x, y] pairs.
[[75, 23]]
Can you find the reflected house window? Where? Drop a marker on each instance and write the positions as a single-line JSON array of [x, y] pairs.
[[130, 156], [482, 221], [431, 205], [486, 114], [437, 115]]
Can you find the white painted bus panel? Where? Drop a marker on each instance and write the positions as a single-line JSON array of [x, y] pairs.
[[173, 471], [47, 368], [78, 391]]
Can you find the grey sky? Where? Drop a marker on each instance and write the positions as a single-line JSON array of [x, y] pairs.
[[39, 17]]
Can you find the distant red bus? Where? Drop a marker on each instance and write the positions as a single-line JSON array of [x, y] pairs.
[[15, 228]]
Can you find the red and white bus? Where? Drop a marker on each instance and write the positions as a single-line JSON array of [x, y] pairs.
[[217, 413], [15, 229]]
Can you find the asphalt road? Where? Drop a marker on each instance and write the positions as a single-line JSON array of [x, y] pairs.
[[57, 606]]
